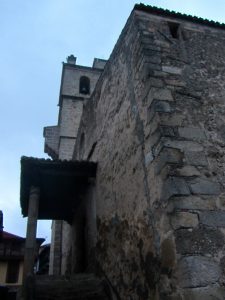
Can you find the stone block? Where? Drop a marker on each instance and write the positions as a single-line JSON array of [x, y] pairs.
[[199, 241], [157, 106], [148, 158], [162, 106], [214, 292], [192, 202], [192, 133], [163, 94], [174, 186], [172, 70], [155, 82], [172, 120], [184, 220], [153, 59], [168, 156], [153, 66], [213, 218], [168, 131], [197, 271], [175, 82], [196, 158], [183, 145], [187, 171], [204, 187]]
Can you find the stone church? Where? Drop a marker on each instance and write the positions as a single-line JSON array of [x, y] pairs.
[[136, 184]]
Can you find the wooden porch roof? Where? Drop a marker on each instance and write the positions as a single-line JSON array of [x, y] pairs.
[[62, 185]]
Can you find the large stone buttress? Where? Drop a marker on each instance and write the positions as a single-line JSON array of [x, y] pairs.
[[157, 132]]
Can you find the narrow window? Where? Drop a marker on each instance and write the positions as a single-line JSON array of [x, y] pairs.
[[81, 150], [13, 268], [84, 85], [174, 29]]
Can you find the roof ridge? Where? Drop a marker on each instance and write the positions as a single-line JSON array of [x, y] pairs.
[[170, 13]]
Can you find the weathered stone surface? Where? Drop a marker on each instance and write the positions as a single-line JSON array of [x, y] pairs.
[[184, 145], [79, 286], [148, 158], [153, 59], [204, 187], [171, 70], [187, 171], [184, 220], [197, 271], [159, 106], [214, 292], [168, 253], [203, 241], [174, 119], [168, 131], [162, 106], [128, 182], [192, 133], [196, 158], [192, 202], [163, 94], [213, 218], [168, 156], [174, 186], [175, 82], [155, 82]]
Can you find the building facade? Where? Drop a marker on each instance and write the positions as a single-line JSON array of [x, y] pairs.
[[12, 262], [151, 218], [77, 85]]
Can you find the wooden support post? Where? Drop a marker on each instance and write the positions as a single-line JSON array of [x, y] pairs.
[[30, 246]]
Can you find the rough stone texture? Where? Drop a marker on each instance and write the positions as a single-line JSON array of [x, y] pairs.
[[187, 171], [196, 158], [184, 220], [174, 186], [214, 292], [191, 133], [199, 241], [204, 187], [192, 203], [196, 271], [155, 125], [213, 218]]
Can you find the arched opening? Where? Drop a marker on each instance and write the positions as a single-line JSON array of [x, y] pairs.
[[84, 85]]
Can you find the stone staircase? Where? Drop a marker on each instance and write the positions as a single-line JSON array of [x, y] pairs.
[[77, 287]]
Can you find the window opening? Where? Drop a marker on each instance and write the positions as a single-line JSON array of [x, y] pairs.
[[174, 29], [84, 85], [13, 268]]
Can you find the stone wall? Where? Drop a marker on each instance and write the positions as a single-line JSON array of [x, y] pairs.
[[155, 125], [59, 144]]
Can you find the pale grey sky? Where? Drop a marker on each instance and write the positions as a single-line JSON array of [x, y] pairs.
[[35, 37]]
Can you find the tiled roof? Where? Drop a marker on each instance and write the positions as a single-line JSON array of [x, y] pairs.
[[167, 13], [9, 236]]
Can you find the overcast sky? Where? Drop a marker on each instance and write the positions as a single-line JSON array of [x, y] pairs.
[[35, 37]]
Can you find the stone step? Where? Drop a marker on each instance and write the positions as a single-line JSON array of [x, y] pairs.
[[77, 287]]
